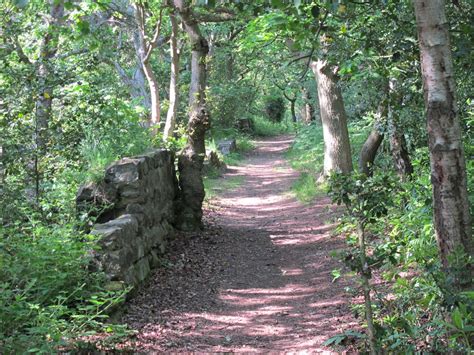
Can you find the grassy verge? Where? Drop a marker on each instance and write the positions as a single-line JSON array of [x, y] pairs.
[[307, 156], [265, 128]]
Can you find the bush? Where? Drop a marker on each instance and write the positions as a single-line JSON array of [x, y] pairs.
[[265, 128], [48, 297], [275, 109], [416, 308]]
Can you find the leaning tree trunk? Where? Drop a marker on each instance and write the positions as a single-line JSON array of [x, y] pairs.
[[375, 138], [448, 169], [174, 92], [398, 146], [369, 151], [337, 149], [190, 160]]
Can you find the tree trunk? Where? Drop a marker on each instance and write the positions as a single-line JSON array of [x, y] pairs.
[[45, 87], [307, 111], [44, 101], [154, 94], [293, 110], [136, 83], [400, 156], [174, 92], [144, 49], [190, 160], [373, 141], [337, 149], [365, 276], [369, 151], [448, 169]]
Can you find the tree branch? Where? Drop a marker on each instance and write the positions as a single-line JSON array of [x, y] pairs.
[[221, 17], [304, 56], [72, 53], [154, 41]]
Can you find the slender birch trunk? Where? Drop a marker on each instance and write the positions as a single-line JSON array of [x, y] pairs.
[[154, 94], [145, 49], [452, 220], [174, 92]]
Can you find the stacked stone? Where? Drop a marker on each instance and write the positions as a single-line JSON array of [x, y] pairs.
[[138, 221]]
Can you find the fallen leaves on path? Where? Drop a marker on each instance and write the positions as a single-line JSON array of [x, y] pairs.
[[257, 279]]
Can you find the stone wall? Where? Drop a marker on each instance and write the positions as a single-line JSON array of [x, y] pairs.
[[135, 208]]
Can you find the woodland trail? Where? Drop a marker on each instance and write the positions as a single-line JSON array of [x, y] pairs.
[[258, 279]]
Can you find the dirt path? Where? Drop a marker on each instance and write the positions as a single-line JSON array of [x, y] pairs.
[[258, 279]]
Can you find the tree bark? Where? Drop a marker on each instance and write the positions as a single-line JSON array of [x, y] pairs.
[[365, 276], [174, 92], [398, 146], [452, 220], [154, 94], [337, 149], [293, 110], [369, 151], [307, 111], [190, 160], [370, 148]]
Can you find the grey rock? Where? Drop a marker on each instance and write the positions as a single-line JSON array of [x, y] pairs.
[[227, 146]]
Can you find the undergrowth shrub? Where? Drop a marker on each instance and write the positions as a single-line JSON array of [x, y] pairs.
[[264, 128], [48, 297], [105, 145], [275, 109], [416, 307]]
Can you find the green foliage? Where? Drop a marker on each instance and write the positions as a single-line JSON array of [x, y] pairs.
[[48, 297], [421, 309], [265, 128], [342, 338], [275, 109], [225, 102], [307, 152], [245, 144], [103, 146], [365, 198]]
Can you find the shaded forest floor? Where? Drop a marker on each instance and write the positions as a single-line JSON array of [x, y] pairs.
[[258, 278]]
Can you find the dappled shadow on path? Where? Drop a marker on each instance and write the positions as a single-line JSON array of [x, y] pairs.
[[264, 282]]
